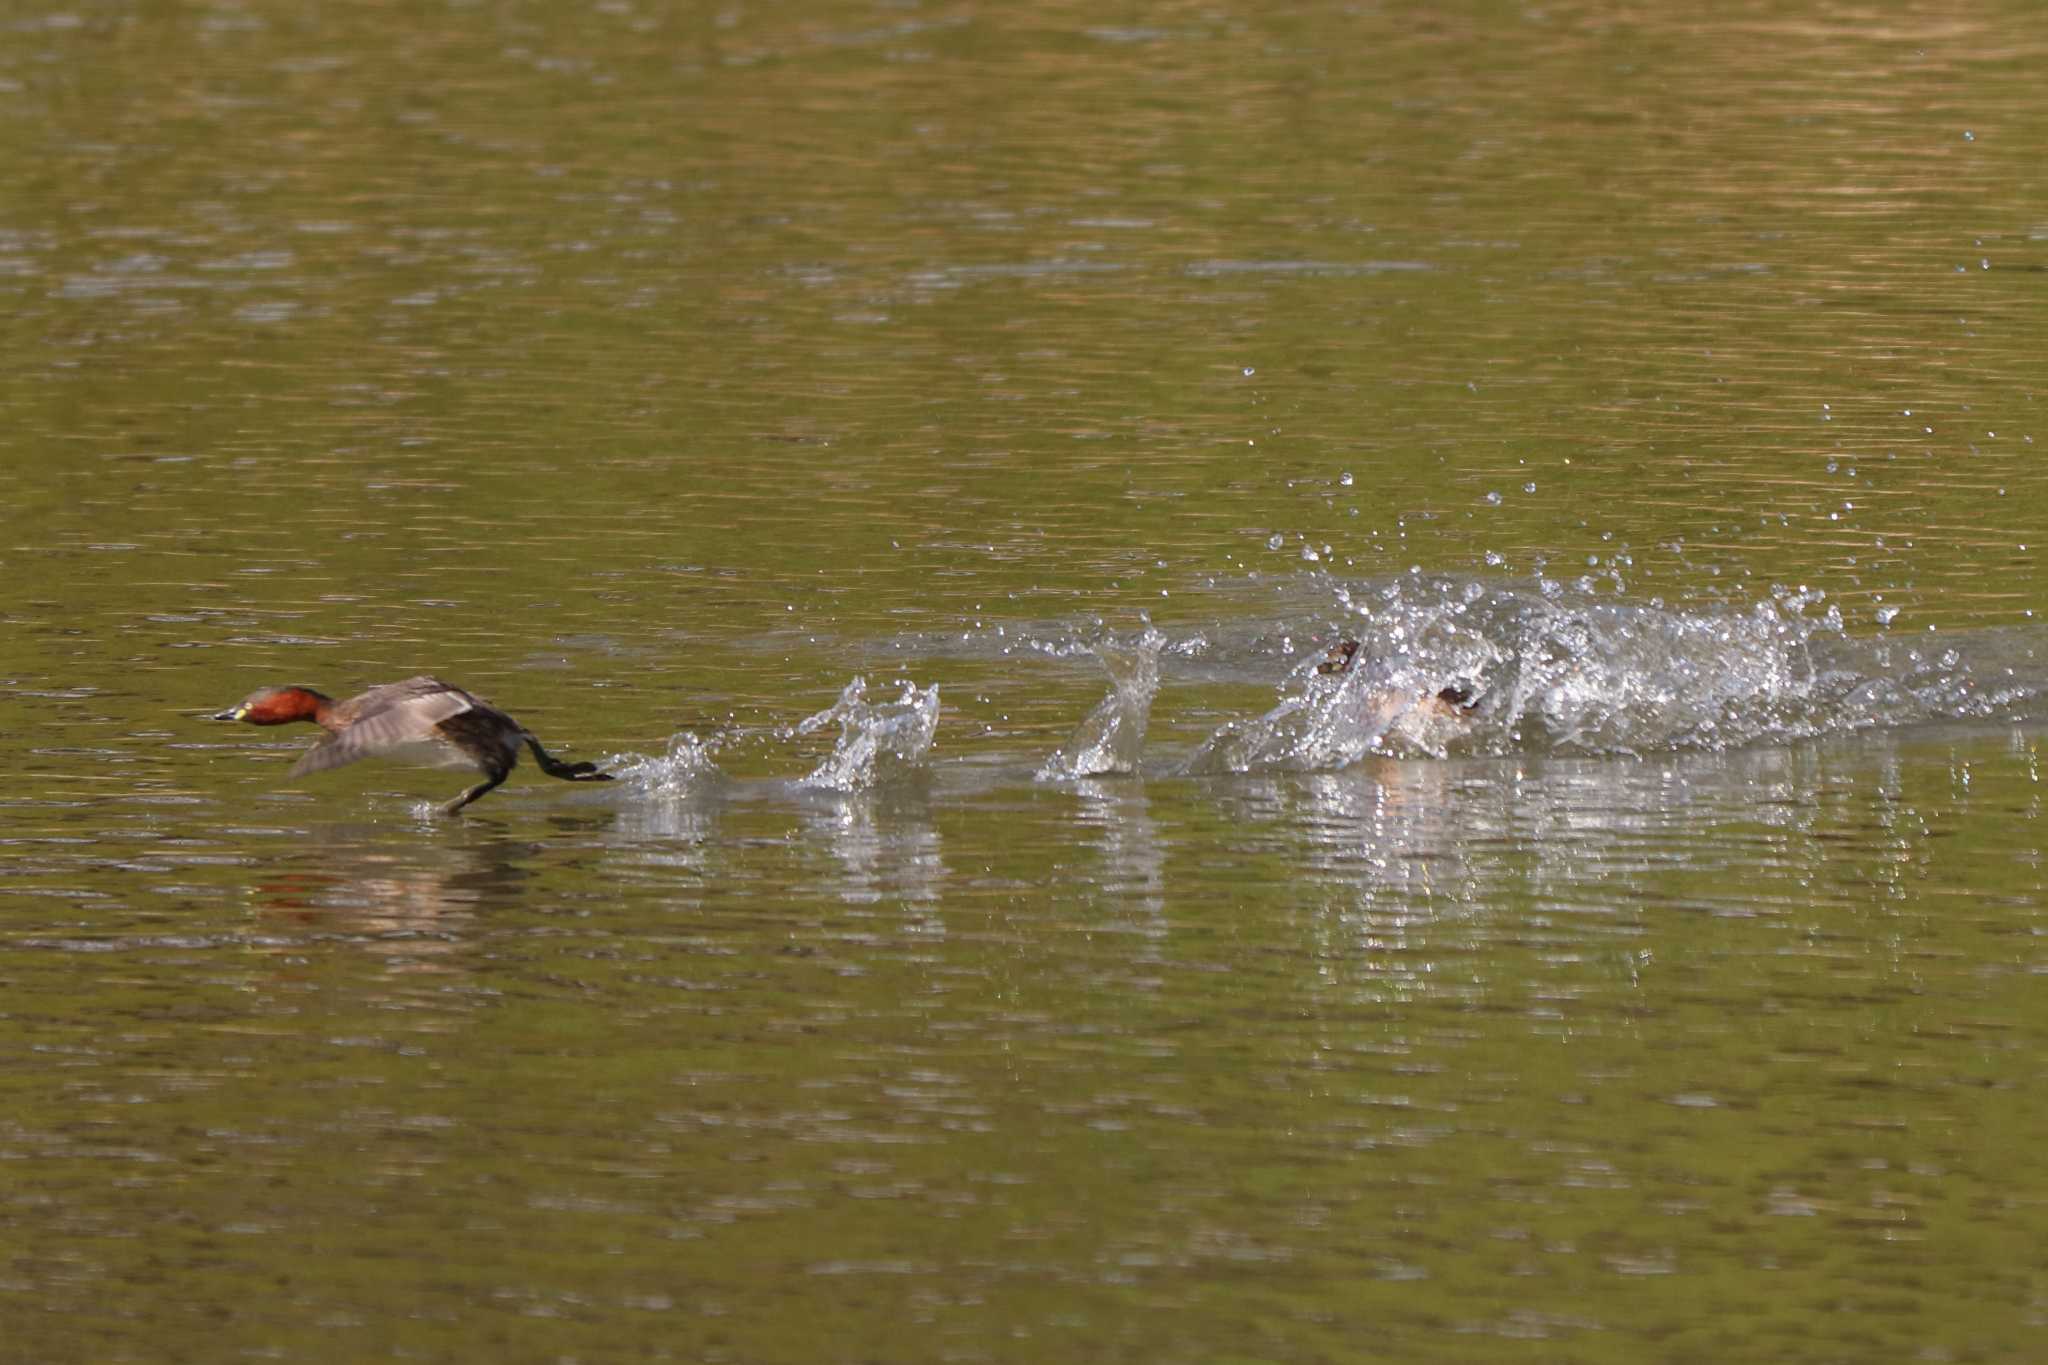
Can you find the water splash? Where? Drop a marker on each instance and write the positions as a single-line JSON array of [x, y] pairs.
[[1113, 735], [1550, 669], [685, 770], [878, 743]]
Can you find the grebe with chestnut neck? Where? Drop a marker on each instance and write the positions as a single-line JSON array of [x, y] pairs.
[[418, 711]]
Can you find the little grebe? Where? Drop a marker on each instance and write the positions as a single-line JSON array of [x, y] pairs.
[[418, 711], [1454, 701]]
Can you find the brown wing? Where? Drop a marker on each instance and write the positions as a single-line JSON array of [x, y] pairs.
[[385, 696], [395, 714]]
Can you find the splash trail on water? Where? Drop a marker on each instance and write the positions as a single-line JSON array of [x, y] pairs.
[[1529, 668]]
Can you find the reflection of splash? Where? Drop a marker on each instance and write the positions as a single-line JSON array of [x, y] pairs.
[[1113, 735], [1133, 869], [1589, 836], [1417, 872], [1550, 670], [878, 743], [887, 847]]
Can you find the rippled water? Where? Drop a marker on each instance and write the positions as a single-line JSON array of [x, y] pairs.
[[929, 454]]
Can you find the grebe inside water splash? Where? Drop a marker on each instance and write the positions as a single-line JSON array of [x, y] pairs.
[[1441, 667]]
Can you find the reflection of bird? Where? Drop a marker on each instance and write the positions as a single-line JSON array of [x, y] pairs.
[[417, 713], [1454, 700]]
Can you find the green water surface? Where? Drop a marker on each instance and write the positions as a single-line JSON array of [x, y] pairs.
[[659, 367]]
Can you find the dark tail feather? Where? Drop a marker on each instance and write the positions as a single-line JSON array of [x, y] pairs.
[[568, 772]]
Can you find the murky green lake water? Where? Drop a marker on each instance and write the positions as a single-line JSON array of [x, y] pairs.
[[1666, 387]]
